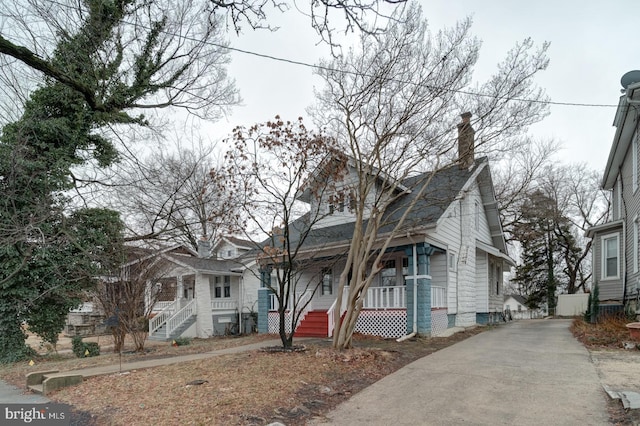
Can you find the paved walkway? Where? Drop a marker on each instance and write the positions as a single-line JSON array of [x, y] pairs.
[[523, 373]]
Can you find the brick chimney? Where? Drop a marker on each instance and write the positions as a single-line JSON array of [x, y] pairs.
[[466, 141], [204, 248]]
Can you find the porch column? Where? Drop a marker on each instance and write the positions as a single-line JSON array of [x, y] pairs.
[[204, 319], [419, 258], [264, 302], [179, 291]]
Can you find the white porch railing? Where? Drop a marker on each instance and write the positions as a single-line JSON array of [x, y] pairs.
[[343, 308], [219, 305], [161, 306], [438, 297], [162, 316], [179, 317], [385, 298]]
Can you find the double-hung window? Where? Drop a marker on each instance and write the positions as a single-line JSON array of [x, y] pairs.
[[326, 276], [610, 256]]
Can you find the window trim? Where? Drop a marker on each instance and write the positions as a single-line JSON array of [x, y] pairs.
[[452, 262], [603, 256]]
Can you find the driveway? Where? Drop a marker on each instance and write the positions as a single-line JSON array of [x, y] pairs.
[[522, 373]]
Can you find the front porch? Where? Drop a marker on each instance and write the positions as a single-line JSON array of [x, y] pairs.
[[384, 314], [196, 304]]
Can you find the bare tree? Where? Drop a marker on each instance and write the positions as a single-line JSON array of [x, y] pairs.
[[516, 177], [281, 167], [175, 195], [128, 296], [578, 196], [392, 102]]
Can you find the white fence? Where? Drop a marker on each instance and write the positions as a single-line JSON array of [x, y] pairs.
[[572, 304]]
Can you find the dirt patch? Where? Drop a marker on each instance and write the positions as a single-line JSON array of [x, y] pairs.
[[616, 359], [250, 388]]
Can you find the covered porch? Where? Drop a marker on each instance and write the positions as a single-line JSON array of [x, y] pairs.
[[388, 306], [196, 303]]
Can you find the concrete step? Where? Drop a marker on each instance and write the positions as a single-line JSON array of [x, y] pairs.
[[44, 382], [36, 389]]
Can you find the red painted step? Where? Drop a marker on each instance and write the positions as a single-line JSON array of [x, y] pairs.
[[314, 324]]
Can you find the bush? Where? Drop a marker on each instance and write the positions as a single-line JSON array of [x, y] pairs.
[[182, 341], [84, 349]]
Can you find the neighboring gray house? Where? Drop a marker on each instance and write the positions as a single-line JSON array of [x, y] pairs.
[[615, 243], [452, 258]]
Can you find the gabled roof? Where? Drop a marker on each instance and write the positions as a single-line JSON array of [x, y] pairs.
[[444, 187], [205, 266], [236, 242], [306, 195], [520, 299]]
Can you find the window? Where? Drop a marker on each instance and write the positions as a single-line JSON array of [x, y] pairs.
[[388, 273], [405, 266], [222, 287], [217, 288], [327, 281], [610, 259], [452, 262], [227, 286]]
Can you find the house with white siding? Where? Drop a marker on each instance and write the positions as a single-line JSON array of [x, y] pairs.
[[615, 248], [446, 270], [202, 296]]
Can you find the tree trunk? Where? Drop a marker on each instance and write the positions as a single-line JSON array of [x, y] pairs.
[[12, 340]]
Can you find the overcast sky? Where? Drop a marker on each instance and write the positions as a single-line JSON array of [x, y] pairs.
[[593, 43]]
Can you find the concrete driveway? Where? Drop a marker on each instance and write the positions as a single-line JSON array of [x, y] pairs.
[[522, 373]]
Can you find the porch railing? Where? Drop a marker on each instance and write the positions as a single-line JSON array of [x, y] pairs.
[[385, 298], [162, 316], [179, 317], [161, 306], [219, 305], [438, 297]]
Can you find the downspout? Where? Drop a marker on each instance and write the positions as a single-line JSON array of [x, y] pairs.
[[415, 292]]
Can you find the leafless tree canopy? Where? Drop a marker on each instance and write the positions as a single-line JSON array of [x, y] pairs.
[[176, 196], [394, 102], [144, 55]]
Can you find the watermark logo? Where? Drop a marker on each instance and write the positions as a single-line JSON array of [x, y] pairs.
[[35, 414]]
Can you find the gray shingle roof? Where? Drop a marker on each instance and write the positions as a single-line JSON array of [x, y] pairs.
[[444, 187]]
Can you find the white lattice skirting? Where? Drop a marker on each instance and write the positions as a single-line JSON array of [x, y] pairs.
[[439, 321], [384, 323], [274, 322]]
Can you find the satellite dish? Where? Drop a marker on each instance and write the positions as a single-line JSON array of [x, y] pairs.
[[630, 78]]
